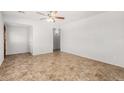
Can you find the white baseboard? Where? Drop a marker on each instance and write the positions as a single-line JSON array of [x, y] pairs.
[[1, 62], [42, 52], [79, 54]]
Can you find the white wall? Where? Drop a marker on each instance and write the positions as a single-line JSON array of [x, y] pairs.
[[99, 37], [1, 40], [42, 41], [43, 38], [17, 39], [30, 40]]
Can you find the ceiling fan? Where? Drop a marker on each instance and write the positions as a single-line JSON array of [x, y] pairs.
[[51, 16]]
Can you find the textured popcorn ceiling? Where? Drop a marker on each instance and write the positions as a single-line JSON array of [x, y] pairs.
[[57, 66]]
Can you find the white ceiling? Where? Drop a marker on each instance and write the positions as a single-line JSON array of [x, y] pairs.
[[69, 15]]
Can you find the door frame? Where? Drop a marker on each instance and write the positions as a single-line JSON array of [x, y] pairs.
[[4, 40]]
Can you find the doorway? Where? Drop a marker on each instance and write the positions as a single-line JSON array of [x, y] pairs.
[[18, 39], [56, 39]]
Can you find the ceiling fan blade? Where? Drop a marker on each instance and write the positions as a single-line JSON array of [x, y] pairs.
[[21, 12], [57, 17], [43, 18], [41, 13]]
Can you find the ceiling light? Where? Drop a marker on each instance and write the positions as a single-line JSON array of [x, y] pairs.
[[57, 31], [51, 20]]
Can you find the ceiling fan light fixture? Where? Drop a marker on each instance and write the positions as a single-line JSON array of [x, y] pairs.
[[51, 20]]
